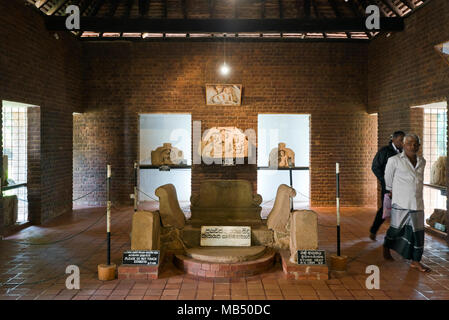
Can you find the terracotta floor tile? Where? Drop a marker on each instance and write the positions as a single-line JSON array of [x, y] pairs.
[[398, 281]]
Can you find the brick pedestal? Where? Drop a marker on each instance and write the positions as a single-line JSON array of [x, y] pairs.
[[201, 269], [295, 271], [126, 271]]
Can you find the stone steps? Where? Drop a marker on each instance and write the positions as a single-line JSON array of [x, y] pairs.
[[203, 269]]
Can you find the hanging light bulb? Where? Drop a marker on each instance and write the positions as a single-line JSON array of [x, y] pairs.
[[225, 69]]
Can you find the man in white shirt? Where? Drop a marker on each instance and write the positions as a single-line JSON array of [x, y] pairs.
[[404, 176]]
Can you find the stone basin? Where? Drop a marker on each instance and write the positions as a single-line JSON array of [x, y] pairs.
[[225, 254]]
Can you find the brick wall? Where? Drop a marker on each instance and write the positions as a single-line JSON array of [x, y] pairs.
[[326, 80], [405, 70], [40, 70]]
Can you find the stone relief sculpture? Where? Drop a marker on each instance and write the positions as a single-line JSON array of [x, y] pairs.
[[281, 157], [223, 94], [224, 142], [438, 172], [167, 155]]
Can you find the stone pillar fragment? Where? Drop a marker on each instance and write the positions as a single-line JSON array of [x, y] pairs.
[[303, 232], [145, 234]]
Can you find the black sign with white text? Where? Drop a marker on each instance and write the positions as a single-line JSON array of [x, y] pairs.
[[150, 257], [312, 257]]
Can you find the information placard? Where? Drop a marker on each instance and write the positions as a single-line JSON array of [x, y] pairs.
[[225, 236], [312, 257], [141, 257]]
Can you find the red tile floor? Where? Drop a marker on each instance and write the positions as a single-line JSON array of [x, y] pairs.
[[38, 271]]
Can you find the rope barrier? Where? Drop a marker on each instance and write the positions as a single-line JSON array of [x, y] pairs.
[[64, 239], [146, 194], [57, 241]]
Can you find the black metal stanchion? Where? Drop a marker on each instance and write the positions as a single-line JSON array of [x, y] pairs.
[[338, 262], [107, 271], [108, 223], [291, 185], [338, 208], [135, 185]]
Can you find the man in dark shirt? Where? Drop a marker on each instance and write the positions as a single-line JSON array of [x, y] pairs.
[[378, 167]]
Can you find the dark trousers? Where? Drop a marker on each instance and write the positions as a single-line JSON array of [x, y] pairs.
[[378, 220]]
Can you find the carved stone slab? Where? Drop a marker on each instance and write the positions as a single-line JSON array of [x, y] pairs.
[[281, 157], [225, 236]]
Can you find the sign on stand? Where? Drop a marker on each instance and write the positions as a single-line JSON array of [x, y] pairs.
[[140, 257], [312, 257]]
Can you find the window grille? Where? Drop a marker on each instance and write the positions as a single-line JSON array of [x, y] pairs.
[[14, 142]]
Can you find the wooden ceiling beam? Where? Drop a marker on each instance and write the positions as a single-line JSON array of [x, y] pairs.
[[337, 13], [144, 6], [57, 7], [85, 6], [113, 7], [165, 9], [409, 3], [263, 6], [184, 8], [129, 6], [307, 5], [106, 24], [41, 3], [392, 7], [211, 8], [356, 10], [281, 10], [97, 7]]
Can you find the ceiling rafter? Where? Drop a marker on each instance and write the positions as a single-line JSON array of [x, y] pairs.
[[356, 10], [129, 6], [281, 11], [85, 6], [409, 3], [41, 3], [211, 8], [263, 7], [306, 4], [144, 6], [97, 7], [315, 8], [317, 13], [113, 7], [337, 13], [184, 8], [56, 7], [235, 9], [392, 7], [379, 5]]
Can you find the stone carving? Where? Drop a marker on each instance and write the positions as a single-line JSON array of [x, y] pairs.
[[438, 172], [280, 214], [223, 94], [438, 215], [167, 155], [224, 201], [303, 232], [169, 210], [224, 143], [281, 157], [145, 232]]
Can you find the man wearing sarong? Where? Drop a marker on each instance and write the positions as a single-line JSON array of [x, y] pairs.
[[378, 167], [404, 175]]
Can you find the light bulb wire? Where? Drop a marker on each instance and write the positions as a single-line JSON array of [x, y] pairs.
[[224, 49]]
